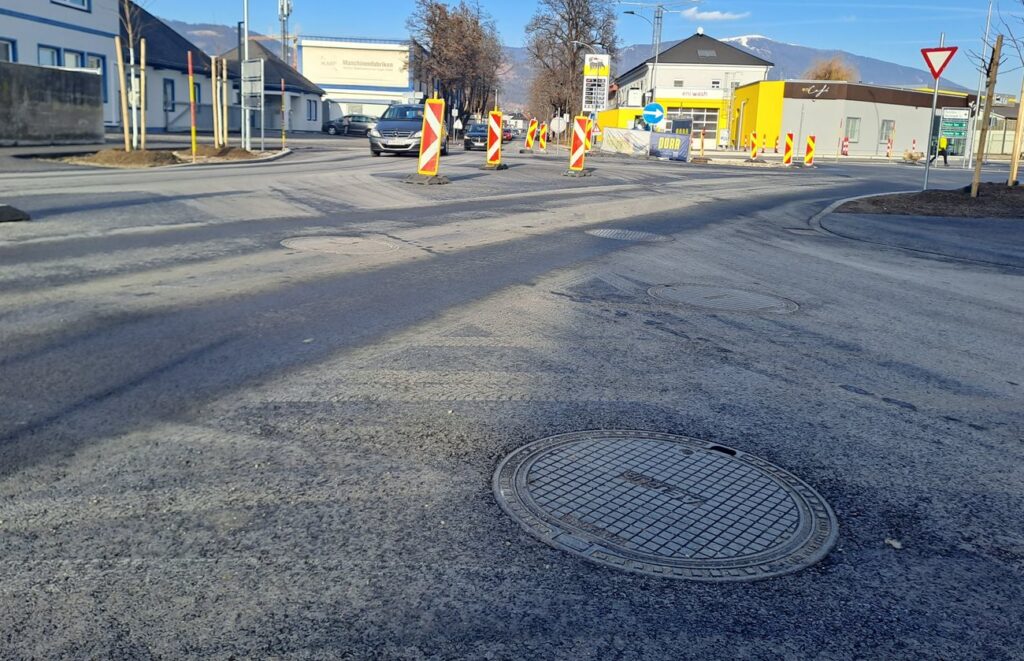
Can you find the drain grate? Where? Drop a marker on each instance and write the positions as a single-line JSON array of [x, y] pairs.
[[726, 299], [339, 245], [665, 505], [628, 235]]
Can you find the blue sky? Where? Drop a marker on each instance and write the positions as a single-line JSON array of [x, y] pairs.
[[893, 31]]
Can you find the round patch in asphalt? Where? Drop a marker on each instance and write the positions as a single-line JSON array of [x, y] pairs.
[[724, 299], [665, 505], [338, 245], [628, 235]]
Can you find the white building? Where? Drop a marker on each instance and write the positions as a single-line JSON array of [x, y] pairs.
[[302, 98], [694, 79], [167, 99], [63, 33], [360, 76]]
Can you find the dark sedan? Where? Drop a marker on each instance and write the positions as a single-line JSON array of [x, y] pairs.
[[475, 138], [350, 125]]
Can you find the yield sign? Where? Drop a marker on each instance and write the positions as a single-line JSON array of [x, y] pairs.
[[937, 59]]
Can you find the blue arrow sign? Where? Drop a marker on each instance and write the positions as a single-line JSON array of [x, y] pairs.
[[654, 113]]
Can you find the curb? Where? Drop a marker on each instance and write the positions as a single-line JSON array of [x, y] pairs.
[[815, 220], [262, 159], [815, 223]]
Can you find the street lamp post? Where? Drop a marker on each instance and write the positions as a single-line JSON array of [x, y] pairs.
[[659, 13]]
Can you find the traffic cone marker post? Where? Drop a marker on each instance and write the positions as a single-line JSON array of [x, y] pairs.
[[542, 137], [846, 147], [578, 149], [590, 135], [531, 136], [754, 153], [429, 162], [787, 154], [809, 154], [494, 142]]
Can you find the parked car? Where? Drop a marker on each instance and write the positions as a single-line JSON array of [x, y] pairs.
[[398, 131], [350, 125], [506, 135], [475, 138]]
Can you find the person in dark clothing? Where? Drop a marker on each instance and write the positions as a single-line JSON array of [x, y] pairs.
[[943, 151]]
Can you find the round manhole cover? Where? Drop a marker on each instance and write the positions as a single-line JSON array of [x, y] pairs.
[[727, 299], [665, 505], [338, 245], [628, 235]]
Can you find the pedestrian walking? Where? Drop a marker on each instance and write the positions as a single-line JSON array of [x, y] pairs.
[[943, 151]]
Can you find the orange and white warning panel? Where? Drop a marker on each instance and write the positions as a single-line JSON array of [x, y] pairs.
[[430, 143]]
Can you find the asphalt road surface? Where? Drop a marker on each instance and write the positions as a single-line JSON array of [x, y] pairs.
[[213, 443]]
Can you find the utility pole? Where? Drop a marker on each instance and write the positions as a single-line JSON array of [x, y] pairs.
[[993, 70], [1017, 135], [969, 161], [659, 15], [284, 10], [246, 117]]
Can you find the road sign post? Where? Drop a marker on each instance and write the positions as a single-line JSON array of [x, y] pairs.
[[432, 135], [937, 59], [596, 71], [654, 114], [578, 151], [494, 142], [253, 91]]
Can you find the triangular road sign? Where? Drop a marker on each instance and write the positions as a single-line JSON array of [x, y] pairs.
[[937, 59]]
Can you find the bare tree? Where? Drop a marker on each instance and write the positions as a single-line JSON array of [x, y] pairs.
[[834, 68], [558, 37], [457, 50]]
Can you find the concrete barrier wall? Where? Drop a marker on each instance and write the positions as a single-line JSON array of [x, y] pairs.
[[41, 105]]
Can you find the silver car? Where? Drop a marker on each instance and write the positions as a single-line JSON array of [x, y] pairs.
[[399, 131]]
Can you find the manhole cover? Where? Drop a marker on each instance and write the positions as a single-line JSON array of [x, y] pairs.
[[711, 297], [665, 505], [627, 235], [338, 245]]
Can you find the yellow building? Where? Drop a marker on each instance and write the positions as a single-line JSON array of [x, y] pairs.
[[695, 79], [864, 117]]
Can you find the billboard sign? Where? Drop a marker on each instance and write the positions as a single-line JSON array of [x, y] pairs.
[[674, 146]]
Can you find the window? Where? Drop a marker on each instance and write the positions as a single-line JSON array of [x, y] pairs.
[[84, 5], [853, 129], [49, 56], [198, 92], [168, 95], [99, 62], [704, 119], [74, 59], [677, 83], [716, 84], [310, 110], [887, 130], [7, 52]]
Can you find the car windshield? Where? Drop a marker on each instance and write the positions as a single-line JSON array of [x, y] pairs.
[[478, 128], [403, 112]]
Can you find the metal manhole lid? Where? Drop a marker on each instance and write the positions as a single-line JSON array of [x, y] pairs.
[[339, 245], [665, 505], [726, 299], [628, 235]]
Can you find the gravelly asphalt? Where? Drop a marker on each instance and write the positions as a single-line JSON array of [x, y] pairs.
[[211, 445]]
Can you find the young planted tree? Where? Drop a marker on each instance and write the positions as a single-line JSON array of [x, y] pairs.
[[559, 36], [457, 48], [834, 68]]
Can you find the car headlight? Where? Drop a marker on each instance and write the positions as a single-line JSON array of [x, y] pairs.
[[374, 133], [417, 134]]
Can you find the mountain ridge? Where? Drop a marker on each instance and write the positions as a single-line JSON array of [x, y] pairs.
[[790, 60]]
